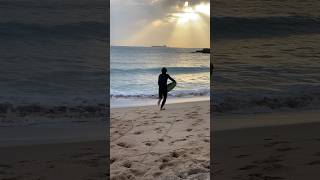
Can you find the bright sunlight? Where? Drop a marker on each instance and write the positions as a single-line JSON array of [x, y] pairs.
[[186, 26]]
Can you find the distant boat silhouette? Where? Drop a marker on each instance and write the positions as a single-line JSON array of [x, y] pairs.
[[160, 46]]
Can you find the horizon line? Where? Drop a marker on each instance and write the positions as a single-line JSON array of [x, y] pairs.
[[158, 47]]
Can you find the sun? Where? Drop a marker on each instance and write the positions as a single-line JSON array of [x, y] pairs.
[[189, 14], [186, 17], [203, 8]]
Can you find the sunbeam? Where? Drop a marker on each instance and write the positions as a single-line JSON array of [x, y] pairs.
[[187, 26]]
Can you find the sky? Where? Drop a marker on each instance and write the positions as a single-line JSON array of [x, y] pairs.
[[175, 23]]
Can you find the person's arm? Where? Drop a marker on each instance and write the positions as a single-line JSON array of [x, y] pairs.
[[159, 80], [171, 78]]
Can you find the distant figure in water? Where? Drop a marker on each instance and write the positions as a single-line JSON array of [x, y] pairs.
[[163, 91]]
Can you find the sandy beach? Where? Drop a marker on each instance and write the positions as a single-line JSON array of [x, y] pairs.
[[266, 146], [150, 144]]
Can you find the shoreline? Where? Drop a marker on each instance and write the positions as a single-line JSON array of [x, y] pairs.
[[139, 102], [223, 122], [57, 133]]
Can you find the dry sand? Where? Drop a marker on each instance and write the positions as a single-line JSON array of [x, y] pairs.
[[85, 160], [150, 144], [268, 146], [171, 144], [56, 151]]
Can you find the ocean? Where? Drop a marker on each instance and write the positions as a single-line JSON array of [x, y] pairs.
[[266, 56], [54, 58], [134, 74]]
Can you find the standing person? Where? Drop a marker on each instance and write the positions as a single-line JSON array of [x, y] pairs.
[[162, 83]]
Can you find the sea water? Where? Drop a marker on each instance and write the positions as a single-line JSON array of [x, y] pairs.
[[53, 60], [135, 70], [266, 56]]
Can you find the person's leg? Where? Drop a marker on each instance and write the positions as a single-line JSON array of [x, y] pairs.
[[160, 97], [164, 99]]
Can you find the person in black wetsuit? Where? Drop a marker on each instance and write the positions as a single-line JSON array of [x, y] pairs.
[[162, 83]]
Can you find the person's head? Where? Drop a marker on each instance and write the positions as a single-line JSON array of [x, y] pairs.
[[164, 70]]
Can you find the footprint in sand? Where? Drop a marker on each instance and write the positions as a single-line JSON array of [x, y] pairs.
[[178, 140], [276, 143], [156, 117], [159, 129], [126, 164], [316, 162], [242, 156], [50, 166], [271, 159], [287, 149], [17, 178], [5, 166], [166, 164], [206, 165], [146, 123], [112, 160], [124, 145], [156, 174], [206, 140], [273, 177], [165, 161], [268, 139], [137, 172], [235, 147], [175, 154], [192, 114], [198, 172], [137, 132], [195, 124], [172, 116], [248, 167], [259, 176]]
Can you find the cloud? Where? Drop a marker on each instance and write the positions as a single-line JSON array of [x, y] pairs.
[[177, 3], [148, 21], [153, 9]]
